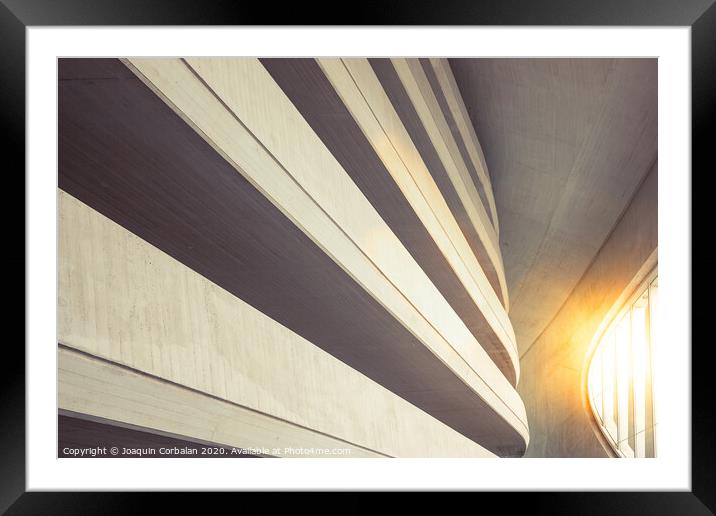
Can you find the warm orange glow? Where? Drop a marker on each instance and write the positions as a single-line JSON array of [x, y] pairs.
[[609, 394], [619, 380], [595, 384]]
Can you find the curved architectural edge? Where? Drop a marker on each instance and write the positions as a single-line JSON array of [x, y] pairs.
[[363, 95], [218, 352], [444, 105], [458, 110], [252, 95], [421, 94], [645, 275], [255, 96], [98, 388], [212, 186]]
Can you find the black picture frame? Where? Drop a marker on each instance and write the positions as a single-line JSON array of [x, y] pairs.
[[17, 15]]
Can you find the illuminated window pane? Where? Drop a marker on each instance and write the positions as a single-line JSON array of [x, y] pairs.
[[619, 379], [623, 365], [595, 384], [609, 392]]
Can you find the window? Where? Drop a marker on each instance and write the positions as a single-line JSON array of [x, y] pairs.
[[620, 380]]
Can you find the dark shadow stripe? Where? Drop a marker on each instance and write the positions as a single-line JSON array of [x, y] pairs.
[[390, 81], [457, 136], [126, 154], [313, 95], [74, 433]]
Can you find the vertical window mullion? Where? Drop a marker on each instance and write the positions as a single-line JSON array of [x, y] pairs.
[[620, 377]]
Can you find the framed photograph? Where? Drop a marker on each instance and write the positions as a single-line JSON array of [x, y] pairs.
[[445, 249]]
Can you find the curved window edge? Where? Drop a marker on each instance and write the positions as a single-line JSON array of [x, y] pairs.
[[617, 376]]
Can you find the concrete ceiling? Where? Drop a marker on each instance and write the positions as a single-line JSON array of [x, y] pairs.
[[567, 142]]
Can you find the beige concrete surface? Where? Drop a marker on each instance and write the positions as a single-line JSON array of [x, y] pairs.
[[567, 142], [553, 366], [126, 302], [317, 199]]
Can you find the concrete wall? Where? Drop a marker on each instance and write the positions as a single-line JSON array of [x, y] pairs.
[[163, 348], [552, 367], [254, 252]]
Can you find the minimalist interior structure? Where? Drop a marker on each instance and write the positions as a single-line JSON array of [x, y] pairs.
[[620, 376], [357, 257]]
